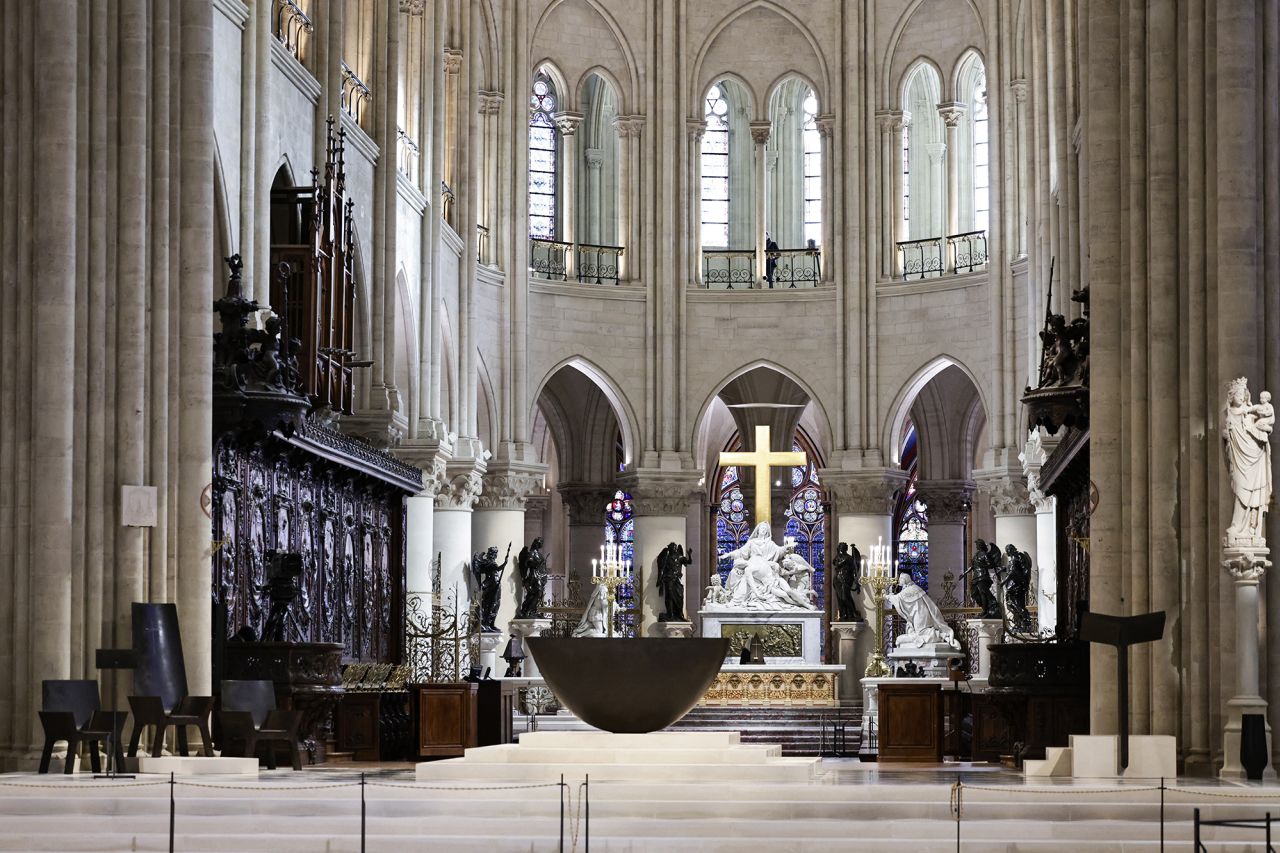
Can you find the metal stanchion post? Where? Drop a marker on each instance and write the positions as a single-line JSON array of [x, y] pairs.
[[1161, 814], [561, 813], [172, 808], [586, 796], [362, 813]]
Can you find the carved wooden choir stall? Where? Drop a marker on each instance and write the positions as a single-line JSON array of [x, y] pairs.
[[286, 482]]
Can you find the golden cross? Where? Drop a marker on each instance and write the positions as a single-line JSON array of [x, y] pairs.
[[762, 460]]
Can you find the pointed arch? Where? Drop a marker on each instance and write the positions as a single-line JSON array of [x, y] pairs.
[[899, 411], [623, 410], [630, 93], [580, 90], [891, 46]]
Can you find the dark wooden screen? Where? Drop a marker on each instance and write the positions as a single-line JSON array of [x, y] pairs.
[[271, 493], [313, 280]]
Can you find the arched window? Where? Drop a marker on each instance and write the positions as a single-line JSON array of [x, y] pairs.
[[733, 514], [923, 155], [715, 169], [812, 140], [911, 519], [620, 529], [981, 182], [542, 159]]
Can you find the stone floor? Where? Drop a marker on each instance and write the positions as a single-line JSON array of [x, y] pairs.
[[847, 806]]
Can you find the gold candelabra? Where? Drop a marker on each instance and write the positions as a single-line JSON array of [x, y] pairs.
[[612, 571], [876, 575]]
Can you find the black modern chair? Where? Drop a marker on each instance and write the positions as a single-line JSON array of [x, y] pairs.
[[249, 719], [160, 682], [72, 711]]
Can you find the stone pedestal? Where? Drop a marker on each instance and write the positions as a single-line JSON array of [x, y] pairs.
[[988, 631], [846, 636], [490, 648], [679, 630], [524, 628], [1245, 562], [934, 659], [778, 628]]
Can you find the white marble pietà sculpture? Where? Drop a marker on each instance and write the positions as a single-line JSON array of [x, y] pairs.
[[758, 580], [925, 625], [594, 621], [1246, 436]]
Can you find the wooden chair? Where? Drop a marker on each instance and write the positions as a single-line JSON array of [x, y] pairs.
[[160, 682], [72, 711], [249, 719]]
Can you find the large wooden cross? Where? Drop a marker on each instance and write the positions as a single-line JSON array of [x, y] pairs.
[[762, 460]]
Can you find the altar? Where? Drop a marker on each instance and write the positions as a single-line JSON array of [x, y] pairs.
[[788, 636]]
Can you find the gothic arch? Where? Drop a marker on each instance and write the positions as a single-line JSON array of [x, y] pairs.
[[628, 94], [702, 82], [699, 437], [900, 409], [404, 372], [886, 75], [225, 236], [963, 67], [785, 78], [623, 411], [937, 79], [488, 424], [579, 91], [565, 94]]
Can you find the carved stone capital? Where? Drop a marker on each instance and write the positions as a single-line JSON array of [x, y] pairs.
[[585, 502], [628, 127], [509, 487], [1008, 495], [826, 123], [951, 112], [1018, 88], [490, 102], [890, 120], [452, 60], [413, 7], [594, 158], [567, 122], [760, 131], [948, 501], [936, 150], [869, 492], [694, 129], [461, 485], [659, 493], [1246, 563]]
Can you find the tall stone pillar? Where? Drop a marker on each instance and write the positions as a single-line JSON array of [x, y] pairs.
[[951, 113], [629, 193], [760, 136], [1245, 565], [1045, 556], [567, 123], [694, 130], [891, 124], [585, 505], [660, 504], [451, 526], [948, 503], [1015, 518], [420, 538], [498, 520]]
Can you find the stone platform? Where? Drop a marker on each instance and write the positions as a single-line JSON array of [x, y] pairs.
[[653, 757]]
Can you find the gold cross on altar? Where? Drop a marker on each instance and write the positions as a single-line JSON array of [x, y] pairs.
[[762, 460]]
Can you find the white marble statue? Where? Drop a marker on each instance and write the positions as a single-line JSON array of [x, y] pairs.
[[925, 625], [594, 622], [716, 593], [1246, 436], [757, 581], [797, 572]]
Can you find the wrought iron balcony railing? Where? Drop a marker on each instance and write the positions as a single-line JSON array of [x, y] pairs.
[[291, 24], [936, 256], [355, 94], [793, 267], [728, 269], [407, 152], [598, 264], [589, 263], [549, 258]]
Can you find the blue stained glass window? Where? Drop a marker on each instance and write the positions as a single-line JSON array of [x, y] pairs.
[[542, 159], [620, 529], [911, 519], [715, 169]]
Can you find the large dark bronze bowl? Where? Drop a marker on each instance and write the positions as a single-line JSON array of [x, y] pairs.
[[626, 685]]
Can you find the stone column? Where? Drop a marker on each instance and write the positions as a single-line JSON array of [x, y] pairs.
[[629, 128], [1245, 565], [1015, 515], [490, 107], [826, 131], [585, 505], [988, 631], [891, 124], [1033, 456], [498, 520], [939, 173], [420, 536], [660, 504], [567, 123], [1020, 157], [594, 158], [694, 130], [760, 136], [451, 528], [848, 654], [948, 503], [952, 112]]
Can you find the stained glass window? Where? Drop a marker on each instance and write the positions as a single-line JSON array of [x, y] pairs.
[[620, 529], [542, 159], [733, 516], [981, 180], [911, 518], [812, 170], [715, 170]]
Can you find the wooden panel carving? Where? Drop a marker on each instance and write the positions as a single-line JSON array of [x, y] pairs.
[[349, 527]]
